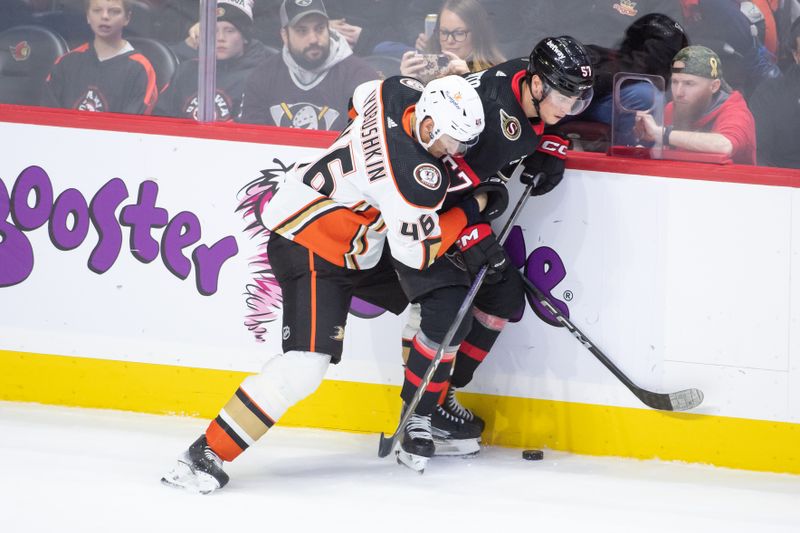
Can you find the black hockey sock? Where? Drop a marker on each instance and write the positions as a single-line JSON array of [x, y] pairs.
[[419, 359], [472, 351]]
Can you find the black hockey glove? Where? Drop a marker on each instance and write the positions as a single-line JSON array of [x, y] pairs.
[[479, 247], [548, 158], [496, 197]]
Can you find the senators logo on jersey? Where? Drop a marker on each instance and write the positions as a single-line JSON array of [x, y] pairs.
[[510, 126]]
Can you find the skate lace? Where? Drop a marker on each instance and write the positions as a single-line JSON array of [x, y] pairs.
[[457, 408], [419, 427], [211, 456], [444, 413]]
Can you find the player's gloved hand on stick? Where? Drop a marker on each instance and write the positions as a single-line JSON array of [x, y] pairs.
[[479, 247], [549, 159], [496, 197]]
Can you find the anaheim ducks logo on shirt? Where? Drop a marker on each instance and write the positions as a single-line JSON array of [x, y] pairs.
[[303, 115], [338, 333], [93, 100], [510, 126], [20, 51], [428, 176], [627, 7]]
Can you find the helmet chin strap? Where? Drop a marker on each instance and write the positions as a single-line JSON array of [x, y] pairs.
[[536, 101]]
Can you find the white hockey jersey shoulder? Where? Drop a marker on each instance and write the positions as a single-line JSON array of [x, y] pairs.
[[375, 183]]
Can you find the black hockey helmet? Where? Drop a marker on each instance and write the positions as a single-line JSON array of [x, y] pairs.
[[655, 26], [563, 65]]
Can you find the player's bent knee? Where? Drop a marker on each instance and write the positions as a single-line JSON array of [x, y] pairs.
[[413, 321], [286, 379]]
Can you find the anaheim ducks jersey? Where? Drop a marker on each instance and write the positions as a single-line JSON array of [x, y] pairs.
[[374, 185], [509, 135]]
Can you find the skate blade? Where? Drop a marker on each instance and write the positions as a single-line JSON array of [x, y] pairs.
[[184, 477], [457, 447], [417, 463]]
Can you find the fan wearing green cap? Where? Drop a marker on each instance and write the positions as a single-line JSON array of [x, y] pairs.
[[706, 114]]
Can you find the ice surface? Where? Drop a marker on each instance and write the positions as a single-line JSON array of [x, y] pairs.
[[87, 471]]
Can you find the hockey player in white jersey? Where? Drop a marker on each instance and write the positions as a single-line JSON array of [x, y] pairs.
[[337, 224]]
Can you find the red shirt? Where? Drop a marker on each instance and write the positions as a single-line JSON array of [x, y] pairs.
[[732, 119]]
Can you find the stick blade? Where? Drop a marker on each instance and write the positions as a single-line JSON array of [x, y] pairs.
[[686, 399], [676, 401], [385, 445]]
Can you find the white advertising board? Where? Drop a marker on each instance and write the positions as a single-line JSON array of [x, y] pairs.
[[683, 283]]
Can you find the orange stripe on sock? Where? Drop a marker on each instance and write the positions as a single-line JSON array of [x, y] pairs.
[[221, 443]]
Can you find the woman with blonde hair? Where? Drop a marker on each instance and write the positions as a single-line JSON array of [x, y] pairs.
[[463, 34]]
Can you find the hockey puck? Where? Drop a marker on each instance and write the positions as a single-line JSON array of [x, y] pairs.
[[532, 455]]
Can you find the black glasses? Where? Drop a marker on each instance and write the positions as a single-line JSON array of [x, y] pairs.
[[458, 35]]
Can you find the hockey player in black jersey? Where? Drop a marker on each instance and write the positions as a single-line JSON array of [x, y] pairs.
[[381, 183], [522, 100]]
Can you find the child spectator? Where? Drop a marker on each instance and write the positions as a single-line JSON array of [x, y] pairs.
[[706, 115], [106, 74], [237, 55]]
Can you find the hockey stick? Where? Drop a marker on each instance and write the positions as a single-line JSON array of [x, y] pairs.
[[675, 401], [387, 443]]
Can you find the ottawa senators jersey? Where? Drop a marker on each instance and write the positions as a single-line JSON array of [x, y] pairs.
[[509, 135], [375, 184], [125, 83]]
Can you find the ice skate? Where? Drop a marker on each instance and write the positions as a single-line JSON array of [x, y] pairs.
[[199, 469], [416, 447], [454, 407], [452, 435]]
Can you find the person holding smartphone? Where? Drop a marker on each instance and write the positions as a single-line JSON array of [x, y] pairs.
[[462, 41]]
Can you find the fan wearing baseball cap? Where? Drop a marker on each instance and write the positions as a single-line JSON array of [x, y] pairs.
[[309, 83], [706, 114]]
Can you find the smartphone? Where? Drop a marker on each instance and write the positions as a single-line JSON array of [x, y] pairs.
[[430, 24], [435, 65]]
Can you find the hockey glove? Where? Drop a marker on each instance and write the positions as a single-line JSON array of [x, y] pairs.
[[496, 198], [479, 247], [548, 158]]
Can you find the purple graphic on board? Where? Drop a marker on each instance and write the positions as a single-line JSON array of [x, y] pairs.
[[544, 268], [68, 219]]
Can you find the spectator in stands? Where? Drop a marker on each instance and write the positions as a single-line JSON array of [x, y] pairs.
[[106, 74], [309, 84], [237, 55], [721, 26], [648, 47], [463, 34], [776, 108], [706, 115], [367, 24]]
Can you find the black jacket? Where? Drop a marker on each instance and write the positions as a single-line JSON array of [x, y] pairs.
[[180, 97]]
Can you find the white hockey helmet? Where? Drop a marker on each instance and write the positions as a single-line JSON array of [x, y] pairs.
[[456, 110]]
